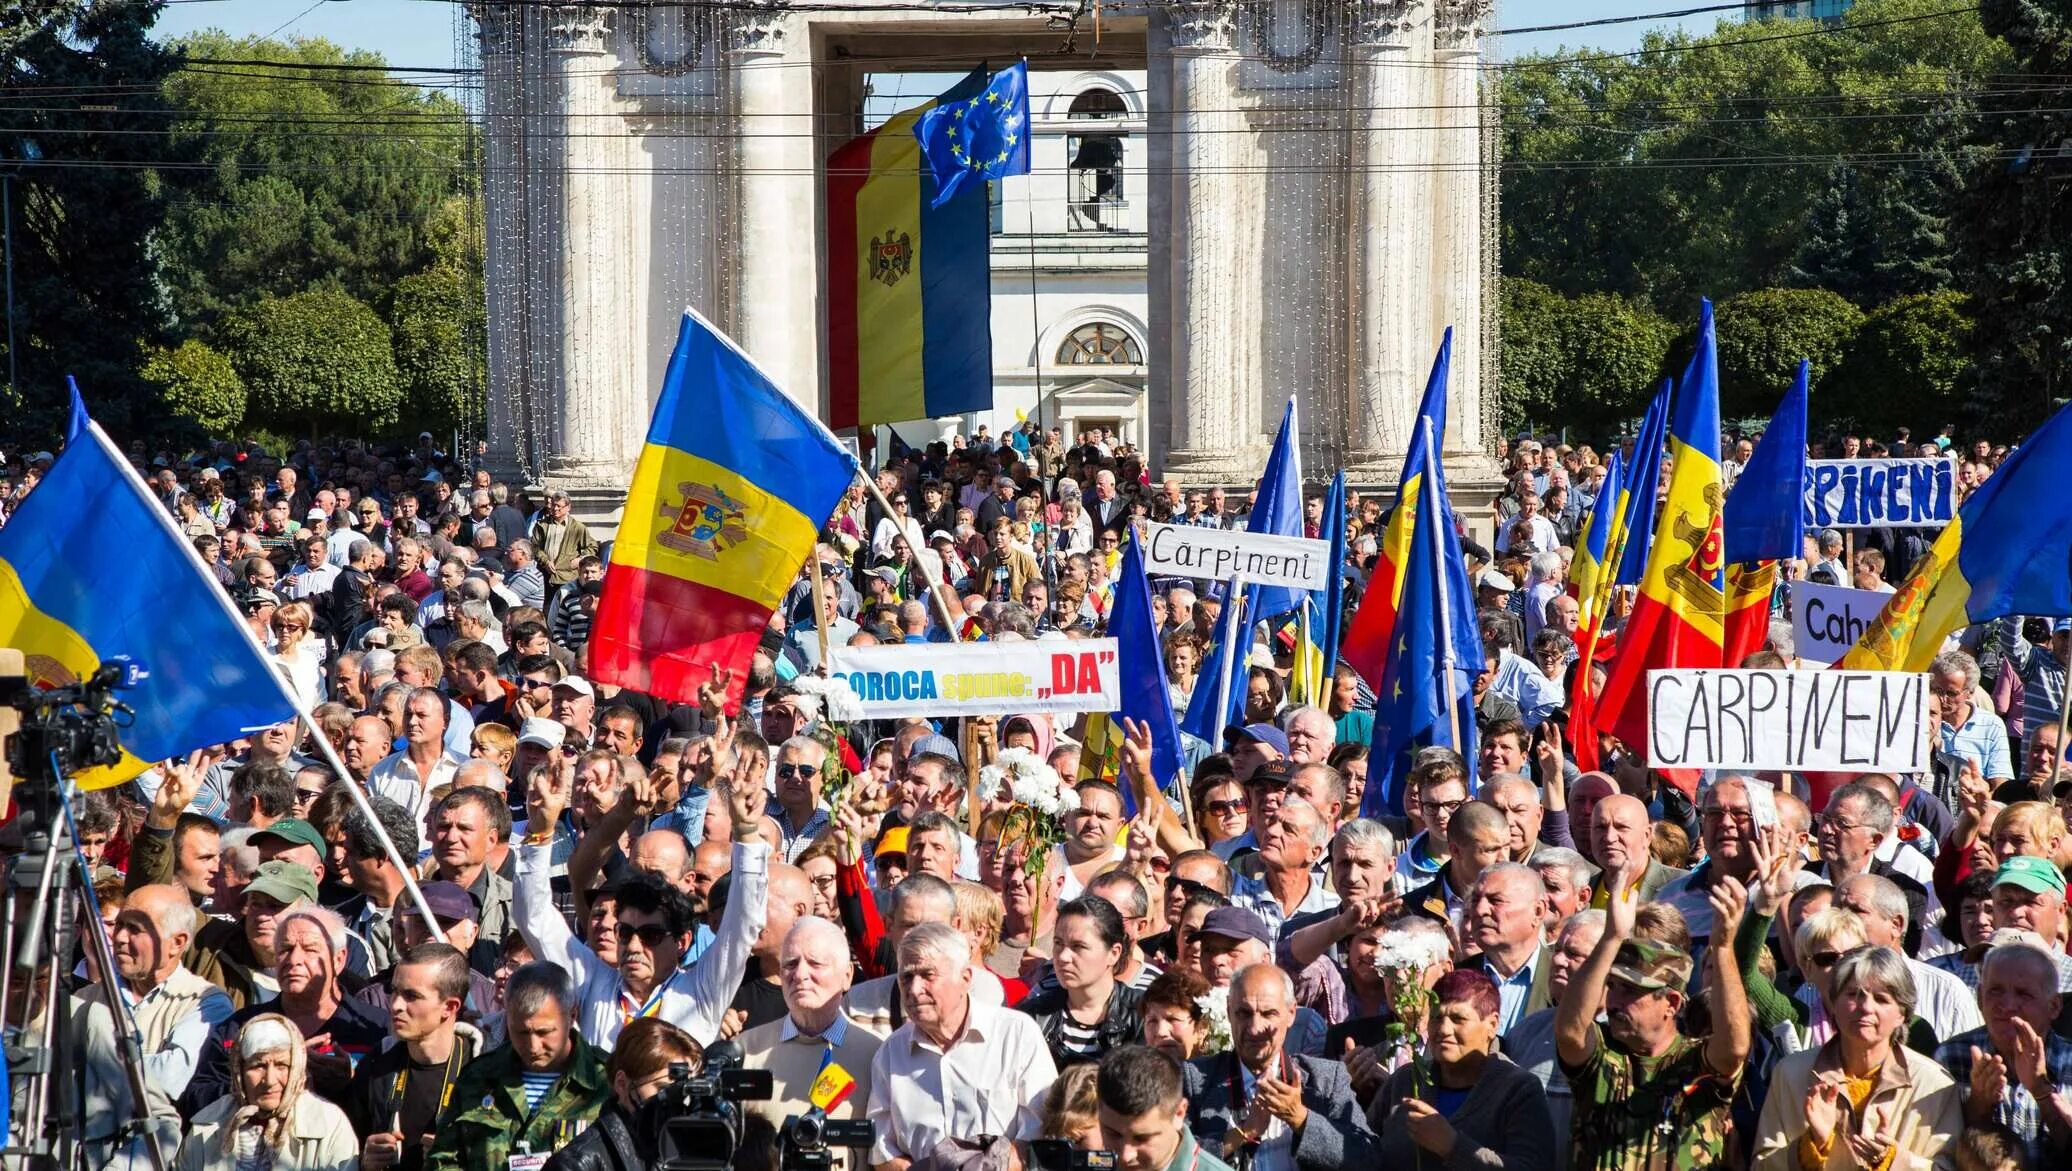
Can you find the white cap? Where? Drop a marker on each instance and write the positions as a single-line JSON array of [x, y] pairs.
[[577, 684], [543, 732]]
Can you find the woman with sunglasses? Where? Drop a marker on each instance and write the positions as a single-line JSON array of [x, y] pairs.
[[1219, 805], [299, 651]]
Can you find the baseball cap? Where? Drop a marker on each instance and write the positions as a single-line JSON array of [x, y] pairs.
[[295, 832], [317, 514], [283, 881], [542, 732], [1492, 580], [886, 574], [449, 901], [939, 535], [893, 841], [1650, 966], [577, 684], [1266, 734], [1235, 923], [940, 745], [2031, 874], [261, 597], [1273, 772]]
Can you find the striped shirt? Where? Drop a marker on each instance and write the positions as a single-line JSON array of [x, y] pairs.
[[537, 1083]]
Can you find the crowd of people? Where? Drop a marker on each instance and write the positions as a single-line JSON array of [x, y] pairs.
[[1525, 966]]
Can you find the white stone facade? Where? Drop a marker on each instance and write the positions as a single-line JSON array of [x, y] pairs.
[[1303, 210]]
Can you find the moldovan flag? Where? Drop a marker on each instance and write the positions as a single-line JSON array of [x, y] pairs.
[[1594, 550], [91, 568], [910, 285], [730, 493], [2005, 554], [1370, 638], [1679, 613], [1765, 522], [831, 1088]]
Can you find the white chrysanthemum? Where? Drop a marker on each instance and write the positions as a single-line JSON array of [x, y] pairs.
[[990, 782], [1215, 1005], [835, 699], [1068, 800], [1409, 951]]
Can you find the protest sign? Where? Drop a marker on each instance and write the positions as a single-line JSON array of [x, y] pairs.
[[982, 678], [1216, 554], [1862, 721], [1873, 493], [1827, 620]]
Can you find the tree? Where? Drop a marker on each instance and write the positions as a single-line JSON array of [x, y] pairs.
[[1910, 363], [438, 317], [1536, 359], [197, 383], [1588, 362], [315, 361], [1762, 336]]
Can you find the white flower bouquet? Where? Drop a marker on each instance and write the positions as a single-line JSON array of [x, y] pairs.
[[1214, 1005]]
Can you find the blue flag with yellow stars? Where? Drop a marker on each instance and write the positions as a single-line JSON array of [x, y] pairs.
[[982, 137]]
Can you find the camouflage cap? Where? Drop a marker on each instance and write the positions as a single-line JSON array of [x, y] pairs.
[[1651, 966]]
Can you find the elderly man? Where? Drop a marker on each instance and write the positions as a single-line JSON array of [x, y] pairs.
[[1858, 817], [2014, 1071], [1965, 731], [1620, 832], [958, 1071], [2029, 895], [801, 773], [378, 883], [1940, 998], [1320, 785], [816, 968], [1231, 939], [1294, 1110], [1569, 880], [1506, 926], [1645, 1094], [173, 1010], [694, 1000], [916, 900], [1311, 734], [469, 826], [533, 1093], [1727, 828], [1518, 799], [1362, 874], [408, 777], [561, 540], [1290, 846]]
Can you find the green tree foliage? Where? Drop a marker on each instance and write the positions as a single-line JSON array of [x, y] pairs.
[[1763, 335], [1910, 363], [438, 319], [316, 361], [1588, 362], [86, 301], [314, 175], [197, 383]]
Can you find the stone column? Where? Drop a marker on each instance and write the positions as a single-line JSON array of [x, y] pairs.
[[503, 46], [776, 301], [1457, 202], [1214, 399], [1390, 283], [597, 422]]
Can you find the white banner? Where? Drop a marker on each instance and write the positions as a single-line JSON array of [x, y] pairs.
[[1827, 620], [1874, 493], [1838, 721], [983, 678], [1216, 554]]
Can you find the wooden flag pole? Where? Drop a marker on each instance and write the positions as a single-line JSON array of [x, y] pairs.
[[819, 605]]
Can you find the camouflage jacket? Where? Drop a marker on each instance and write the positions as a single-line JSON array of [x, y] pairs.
[[1669, 1113], [487, 1120]]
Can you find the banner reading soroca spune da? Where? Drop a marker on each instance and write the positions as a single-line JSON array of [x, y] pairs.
[[983, 678]]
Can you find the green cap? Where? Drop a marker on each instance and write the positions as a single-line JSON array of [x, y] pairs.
[[2032, 874], [285, 882], [295, 832], [1651, 966]]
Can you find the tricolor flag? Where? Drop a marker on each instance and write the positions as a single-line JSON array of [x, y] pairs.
[[732, 488], [1372, 632], [831, 1088], [2005, 553], [1679, 614], [1592, 565], [909, 322], [91, 568], [1764, 523]]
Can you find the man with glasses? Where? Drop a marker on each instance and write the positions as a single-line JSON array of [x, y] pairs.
[[1858, 817], [801, 773], [1726, 824], [1965, 731]]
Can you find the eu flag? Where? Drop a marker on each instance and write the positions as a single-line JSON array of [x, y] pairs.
[[1436, 638], [1644, 479], [1334, 596], [1144, 695], [982, 137], [92, 568], [1225, 658]]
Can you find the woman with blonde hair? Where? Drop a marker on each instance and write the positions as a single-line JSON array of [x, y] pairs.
[[300, 652], [269, 1119]]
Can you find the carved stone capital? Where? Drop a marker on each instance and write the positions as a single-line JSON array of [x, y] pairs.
[[577, 28], [1201, 26], [503, 28], [761, 26], [1458, 25], [1383, 22]]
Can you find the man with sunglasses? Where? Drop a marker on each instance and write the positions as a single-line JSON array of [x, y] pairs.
[[801, 773]]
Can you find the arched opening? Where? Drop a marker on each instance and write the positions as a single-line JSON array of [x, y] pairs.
[[1100, 343]]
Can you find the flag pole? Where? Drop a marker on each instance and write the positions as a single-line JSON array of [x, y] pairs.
[[1235, 598], [819, 606], [942, 606], [2064, 718], [1439, 535]]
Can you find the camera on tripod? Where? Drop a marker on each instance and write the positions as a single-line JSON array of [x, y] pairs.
[[67, 727], [701, 1116], [1059, 1154]]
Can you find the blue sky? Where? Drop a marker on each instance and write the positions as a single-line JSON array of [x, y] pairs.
[[420, 32]]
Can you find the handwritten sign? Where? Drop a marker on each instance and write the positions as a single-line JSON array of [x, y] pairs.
[[1875, 493], [1827, 620], [1859, 721], [983, 678], [1185, 551]]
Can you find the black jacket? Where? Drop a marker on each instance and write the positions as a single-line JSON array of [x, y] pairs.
[[606, 1146], [1123, 1024]]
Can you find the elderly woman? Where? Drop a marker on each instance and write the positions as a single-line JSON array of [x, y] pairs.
[[300, 652], [1174, 1019], [269, 1119], [1480, 1110], [1862, 1099]]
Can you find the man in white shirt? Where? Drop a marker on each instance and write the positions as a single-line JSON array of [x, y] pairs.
[[408, 777], [958, 1071], [652, 938], [1941, 998]]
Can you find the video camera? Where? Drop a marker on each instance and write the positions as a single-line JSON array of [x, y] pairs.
[[807, 1141], [1057, 1154], [65, 728], [697, 1120]]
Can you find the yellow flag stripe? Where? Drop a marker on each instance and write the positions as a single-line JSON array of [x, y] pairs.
[[54, 655], [889, 325], [756, 557]]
